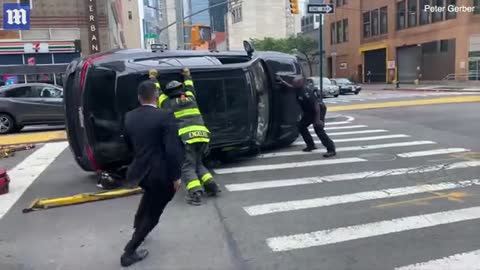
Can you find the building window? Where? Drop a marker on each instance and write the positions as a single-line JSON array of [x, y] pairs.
[[476, 4], [338, 3], [345, 30], [237, 14], [437, 16], [375, 24], [412, 13], [401, 18], [366, 25], [452, 15], [333, 38], [130, 15], [26, 3], [383, 20], [424, 15], [443, 45], [339, 32]]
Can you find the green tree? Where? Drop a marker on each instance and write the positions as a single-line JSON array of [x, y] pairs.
[[304, 47]]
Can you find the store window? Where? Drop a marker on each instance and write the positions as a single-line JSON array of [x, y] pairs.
[[437, 16], [13, 59], [40, 58], [345, 30], [424, 15], [366, 25], [65, 58], [476, 4], [383, 20], [401, 18], [40, 78], [375, 24], [412, 13], [451, 14]]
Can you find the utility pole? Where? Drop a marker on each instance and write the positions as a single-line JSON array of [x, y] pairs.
[[227, 28], [180, 24]]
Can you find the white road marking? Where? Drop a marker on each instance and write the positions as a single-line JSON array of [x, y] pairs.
[[337, 123], [360, 139], [344, 127], [354, 132], [270, 208], [462, 261], [346, 149], [289, 165], [349, 176], [343, 234], [25, 173], [433, 152]]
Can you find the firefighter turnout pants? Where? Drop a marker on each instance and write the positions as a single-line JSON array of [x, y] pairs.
[[194, 173]]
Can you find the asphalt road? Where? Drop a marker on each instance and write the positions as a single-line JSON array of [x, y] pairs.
[[403, 190]]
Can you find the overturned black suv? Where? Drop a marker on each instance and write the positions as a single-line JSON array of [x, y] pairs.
[[237, 94]]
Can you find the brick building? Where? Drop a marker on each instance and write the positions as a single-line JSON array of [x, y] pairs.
[[400, 40], [59, 32]]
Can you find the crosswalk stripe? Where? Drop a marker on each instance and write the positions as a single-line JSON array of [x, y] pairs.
[[337, 123], [460, 261], [361, 139], [270, 208], [433, 152], [344, 127], [343, 234], [355, 132], [288, 165], [348, 176], [346, 149]]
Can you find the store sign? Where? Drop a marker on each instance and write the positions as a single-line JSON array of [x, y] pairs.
[[16, 17], [93, 37], [36, 47]]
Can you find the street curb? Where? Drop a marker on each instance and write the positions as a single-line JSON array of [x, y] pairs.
[[432, 90]]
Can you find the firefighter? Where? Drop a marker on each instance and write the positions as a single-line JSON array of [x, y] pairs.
[[180, 98], [313, 112], [152, 75]]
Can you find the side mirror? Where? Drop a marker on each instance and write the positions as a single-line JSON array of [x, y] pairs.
[[248, 48]]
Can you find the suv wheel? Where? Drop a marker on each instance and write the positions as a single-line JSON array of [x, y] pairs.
[[7, 124]]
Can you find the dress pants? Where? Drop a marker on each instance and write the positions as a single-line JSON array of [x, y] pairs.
[[148, 214], [317, 118]]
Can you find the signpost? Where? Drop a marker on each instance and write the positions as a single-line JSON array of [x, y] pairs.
[[321, 9]]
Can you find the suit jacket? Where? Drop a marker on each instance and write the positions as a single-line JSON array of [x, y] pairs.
[[152, 134]]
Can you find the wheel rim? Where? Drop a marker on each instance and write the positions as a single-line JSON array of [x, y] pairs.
[[5, 124]]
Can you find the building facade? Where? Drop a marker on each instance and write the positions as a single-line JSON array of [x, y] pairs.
[[132, 24], [385, 41], [154, 18], [60, 31], [259, 19]]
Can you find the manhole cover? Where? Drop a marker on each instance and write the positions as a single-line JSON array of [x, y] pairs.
[[378, 157]]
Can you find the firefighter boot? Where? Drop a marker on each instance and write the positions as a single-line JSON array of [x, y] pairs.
[[211, 188], [194, 197]]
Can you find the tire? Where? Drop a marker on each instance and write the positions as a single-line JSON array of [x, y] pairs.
[[357, 92], [336, 95], [7, 124], [19, 128]]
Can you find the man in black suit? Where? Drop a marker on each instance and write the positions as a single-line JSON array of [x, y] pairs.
[[152, 134]]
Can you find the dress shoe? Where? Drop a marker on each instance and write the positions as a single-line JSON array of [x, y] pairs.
[[329, 154], [128, 259], [309, 148]]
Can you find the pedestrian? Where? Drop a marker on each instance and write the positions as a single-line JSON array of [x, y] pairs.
[[152, 75], [158, 157], [369, 76], [180, 98], [313, 112]]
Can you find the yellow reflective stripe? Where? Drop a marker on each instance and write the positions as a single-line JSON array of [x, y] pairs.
[[187, 112], [161, 99], [198, 140], [192, 128], [188, 83], [189, 93], [206, 177], [193, 184], [157, 85]]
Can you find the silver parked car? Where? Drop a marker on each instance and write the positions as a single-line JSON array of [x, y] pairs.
[[329, 87], [30, 104]]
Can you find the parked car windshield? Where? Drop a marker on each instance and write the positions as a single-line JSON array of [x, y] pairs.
[[343, 81]]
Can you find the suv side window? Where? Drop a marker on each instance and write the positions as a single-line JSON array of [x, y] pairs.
[[50, 92], [19, 92]]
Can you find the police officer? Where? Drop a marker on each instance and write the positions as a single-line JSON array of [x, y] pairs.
[[313, 112], [180, 98], [152, 75]]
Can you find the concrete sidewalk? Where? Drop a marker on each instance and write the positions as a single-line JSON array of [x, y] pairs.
[[440, 87]]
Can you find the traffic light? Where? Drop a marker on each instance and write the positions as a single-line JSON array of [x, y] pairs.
[[294, 9]]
